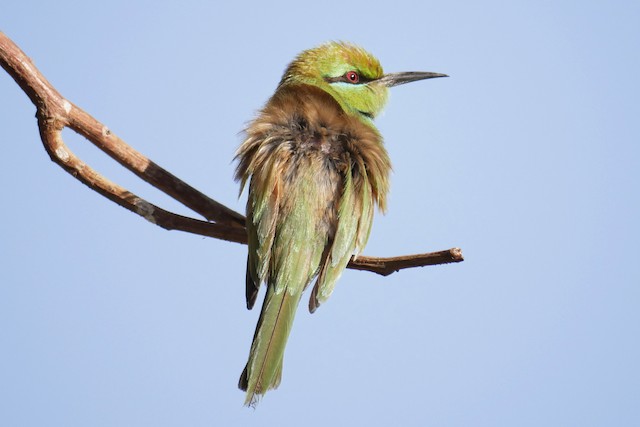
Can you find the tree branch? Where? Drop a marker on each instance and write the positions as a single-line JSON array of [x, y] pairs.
[[54, 113]]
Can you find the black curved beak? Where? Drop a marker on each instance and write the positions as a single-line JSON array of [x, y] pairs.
[[395, 79]]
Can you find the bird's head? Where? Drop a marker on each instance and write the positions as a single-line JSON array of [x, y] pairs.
[[351, 75]]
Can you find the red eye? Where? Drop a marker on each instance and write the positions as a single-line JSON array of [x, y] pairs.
[[352, 77]]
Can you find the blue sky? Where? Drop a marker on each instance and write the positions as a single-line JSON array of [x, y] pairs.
[[526, 157]]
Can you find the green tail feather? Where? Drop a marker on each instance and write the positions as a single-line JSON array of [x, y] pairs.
[[264, 368]]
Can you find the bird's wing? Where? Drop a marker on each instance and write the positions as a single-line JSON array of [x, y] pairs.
[[355, 214], [263, 207]]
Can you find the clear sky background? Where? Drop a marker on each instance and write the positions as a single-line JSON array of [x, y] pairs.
[[527, 158]]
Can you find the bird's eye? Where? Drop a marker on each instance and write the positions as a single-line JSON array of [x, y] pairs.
[[352, 77]]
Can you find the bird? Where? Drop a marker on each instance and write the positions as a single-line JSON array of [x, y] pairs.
[[316, 168]]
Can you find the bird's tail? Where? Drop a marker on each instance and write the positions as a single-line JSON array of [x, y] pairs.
[[264, 368]]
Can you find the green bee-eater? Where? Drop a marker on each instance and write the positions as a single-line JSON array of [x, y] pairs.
[[317, 166]]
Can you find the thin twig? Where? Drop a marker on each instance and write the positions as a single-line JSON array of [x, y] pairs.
[[386, 266], [54, 113]]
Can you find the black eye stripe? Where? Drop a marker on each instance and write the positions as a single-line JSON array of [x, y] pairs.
[[343, 78]]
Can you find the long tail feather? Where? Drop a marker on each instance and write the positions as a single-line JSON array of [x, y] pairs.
[[264, 368]]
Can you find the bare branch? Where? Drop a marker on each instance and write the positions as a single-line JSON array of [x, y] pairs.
[[386, 266], [54, 113]]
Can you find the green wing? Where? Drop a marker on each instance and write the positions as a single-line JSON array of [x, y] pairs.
[[355, 215]]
